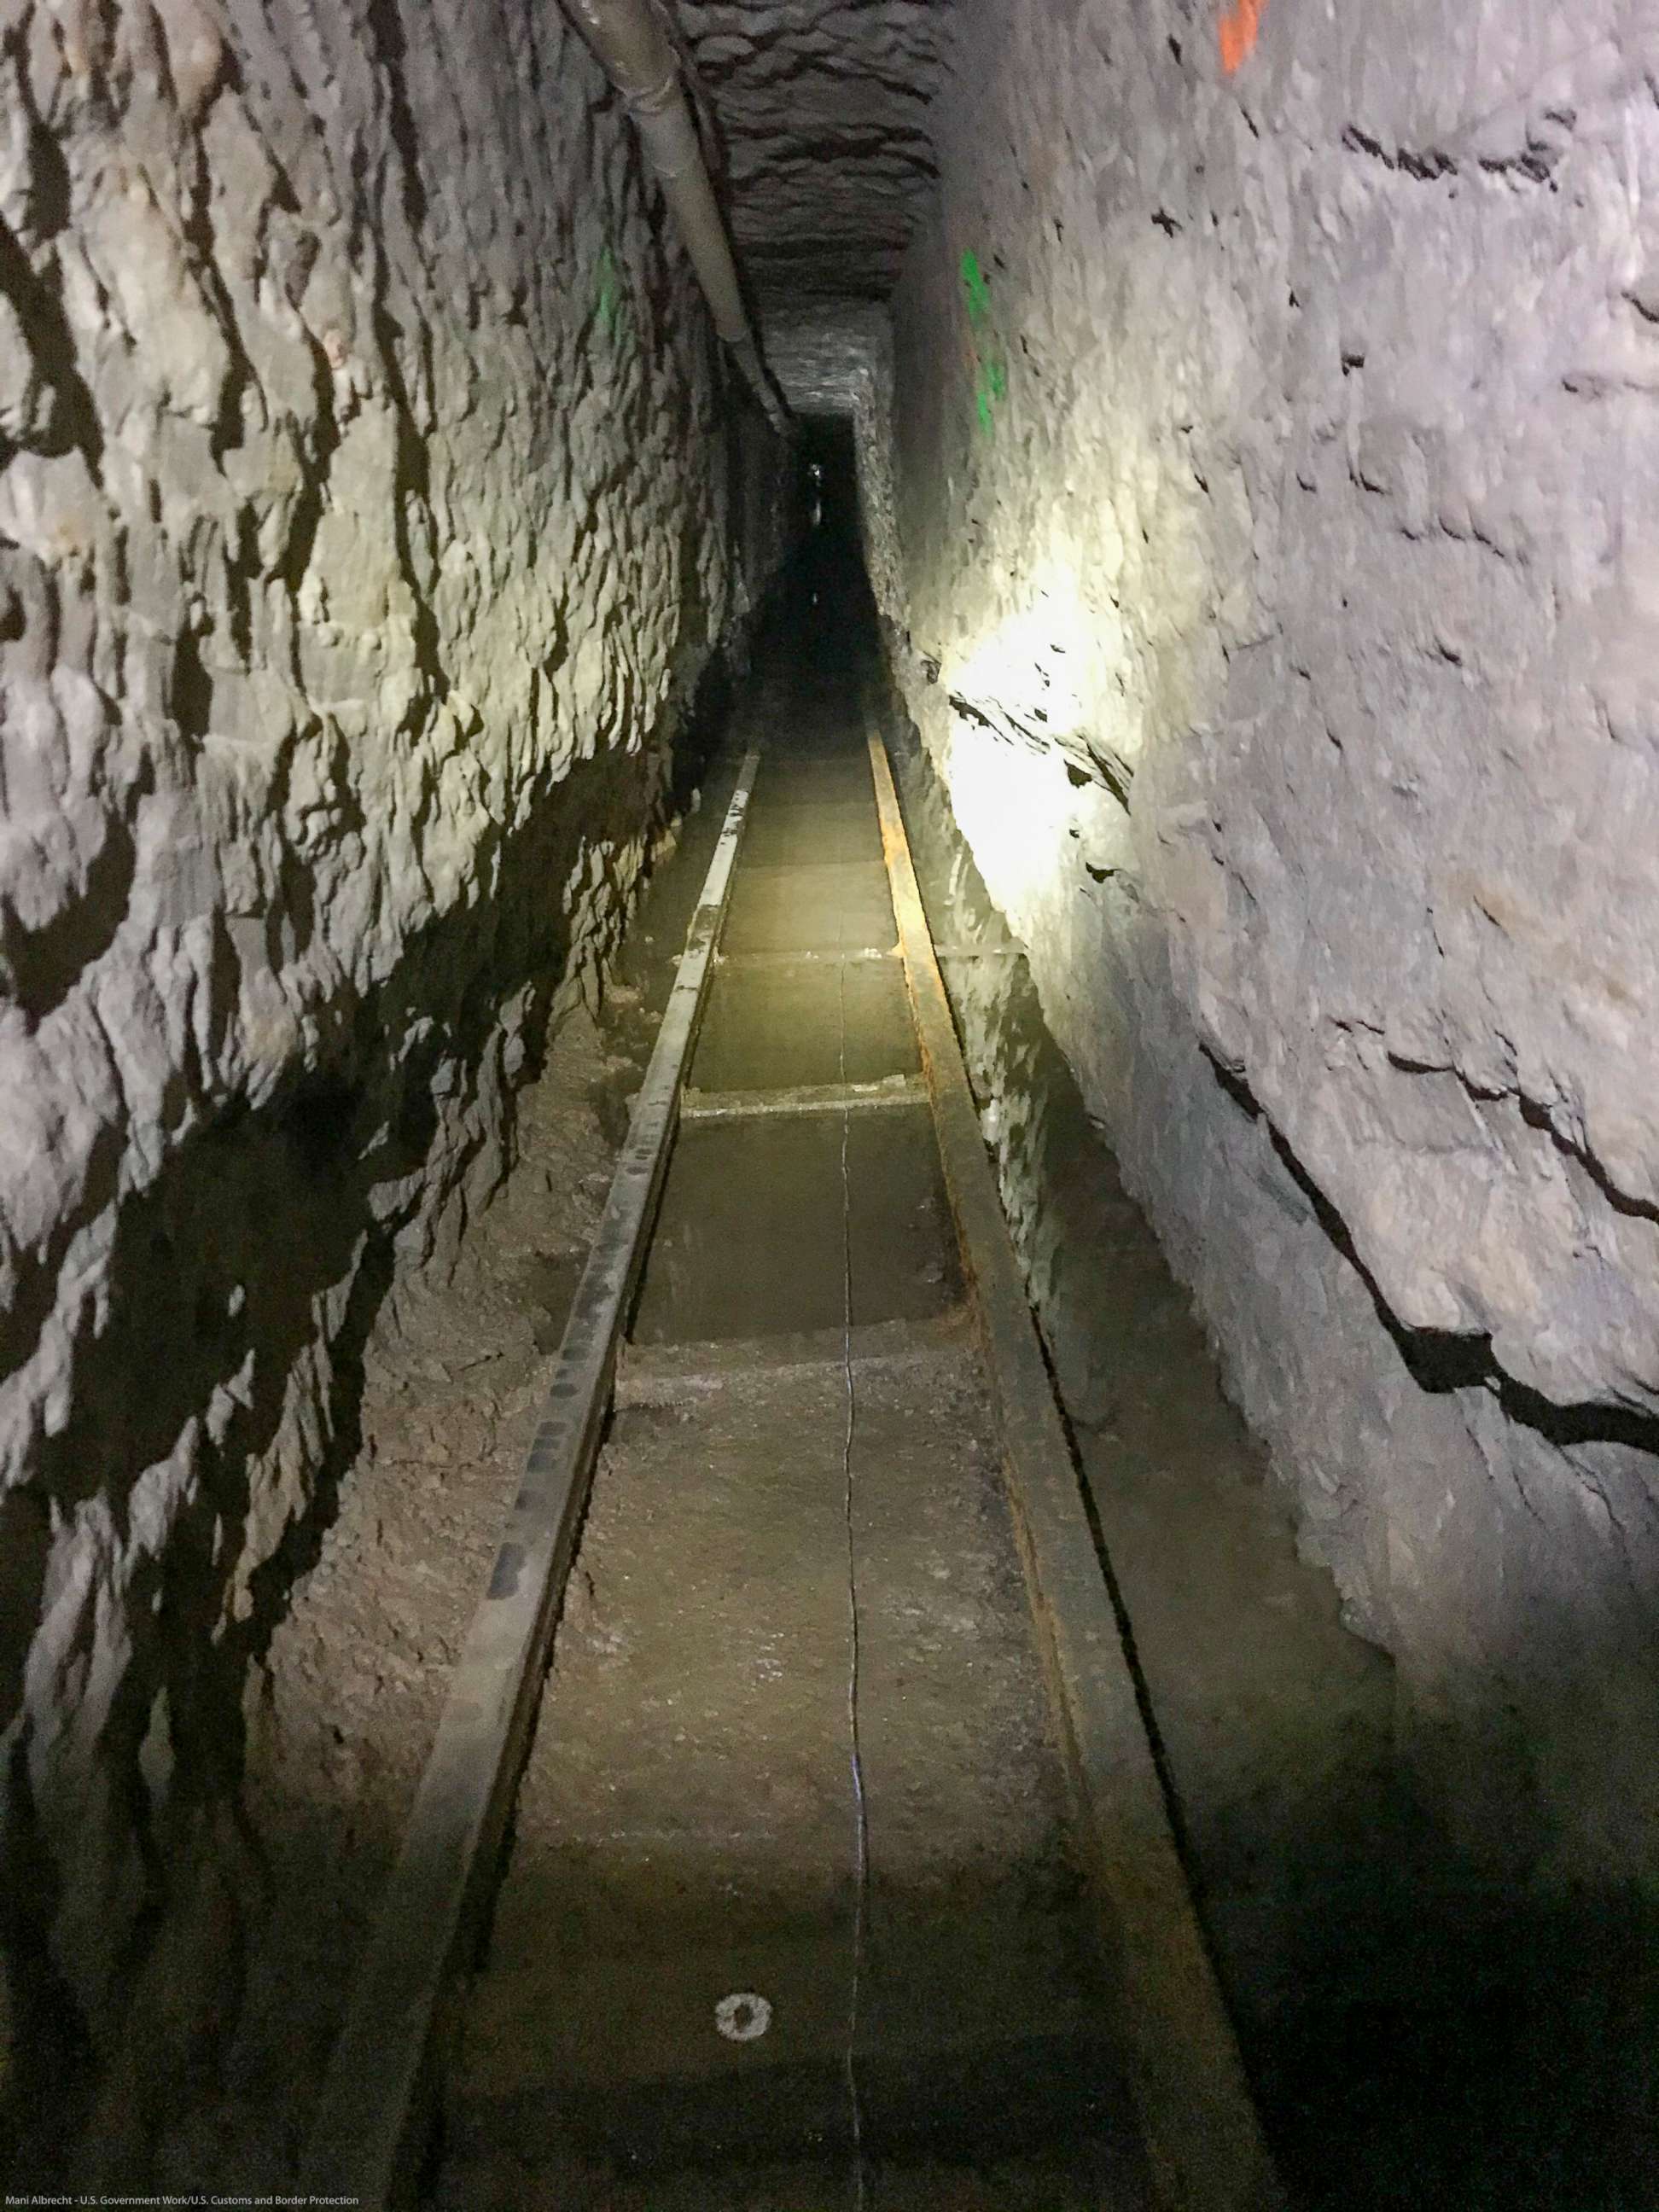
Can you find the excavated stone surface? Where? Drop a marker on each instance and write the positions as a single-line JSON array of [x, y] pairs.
[[1272, 567], [820, 106], [366, 517], [824, 358]]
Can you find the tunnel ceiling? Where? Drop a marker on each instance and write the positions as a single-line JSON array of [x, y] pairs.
[[822, 109]]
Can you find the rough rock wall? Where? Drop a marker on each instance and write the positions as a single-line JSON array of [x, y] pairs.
[[837, 360], [368, 512], [819, 108], [1275, 457]]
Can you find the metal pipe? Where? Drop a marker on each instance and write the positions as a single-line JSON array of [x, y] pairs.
[[634, 51]]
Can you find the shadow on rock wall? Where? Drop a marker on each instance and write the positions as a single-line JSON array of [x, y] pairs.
[[200, 1459]]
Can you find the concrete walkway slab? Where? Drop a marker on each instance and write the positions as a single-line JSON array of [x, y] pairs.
[[749, 1240], [837, 906], [770, 1030], [791, 833], [685, 1829]]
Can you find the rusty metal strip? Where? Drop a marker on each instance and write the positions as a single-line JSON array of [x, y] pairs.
[[379, 2095], [1201, 2135]]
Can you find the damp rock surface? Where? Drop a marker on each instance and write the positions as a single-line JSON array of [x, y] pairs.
[[1263, 538], [369, 512]]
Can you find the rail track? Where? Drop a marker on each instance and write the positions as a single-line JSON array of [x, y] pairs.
[[840, 1854]]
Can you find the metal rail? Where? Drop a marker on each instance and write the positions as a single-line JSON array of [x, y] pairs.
[[1199, 2127], [378, 2096]]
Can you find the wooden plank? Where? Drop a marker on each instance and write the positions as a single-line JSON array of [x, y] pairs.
[[1202, 2138], [803, 1099], [379, 2095]]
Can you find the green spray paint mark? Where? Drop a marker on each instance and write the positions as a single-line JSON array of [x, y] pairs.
[[974, 284], [990, 371], [610, 293], [990, 386]]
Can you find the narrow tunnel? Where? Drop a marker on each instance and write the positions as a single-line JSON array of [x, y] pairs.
[[829, 1139]]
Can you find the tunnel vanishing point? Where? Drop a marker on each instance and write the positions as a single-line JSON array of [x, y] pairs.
[[649, 650]]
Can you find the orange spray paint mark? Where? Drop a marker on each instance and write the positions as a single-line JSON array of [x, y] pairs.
[[1237, 33]]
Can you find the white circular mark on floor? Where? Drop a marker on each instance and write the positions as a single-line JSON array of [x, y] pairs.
[[742, 2017]]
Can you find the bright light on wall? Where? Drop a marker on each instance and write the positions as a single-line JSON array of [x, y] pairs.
[[1035, 784], [1040, 661], [1015, 808]]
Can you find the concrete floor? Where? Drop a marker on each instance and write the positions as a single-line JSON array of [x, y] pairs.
[[687, 1828]]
